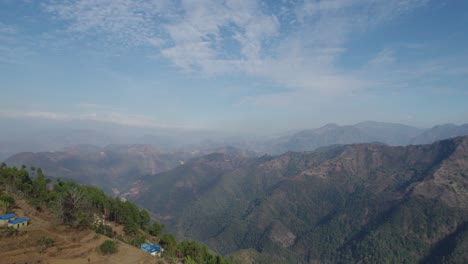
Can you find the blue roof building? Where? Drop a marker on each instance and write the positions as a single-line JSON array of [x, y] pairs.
[[18, 222], [151, 248], [5, 218]]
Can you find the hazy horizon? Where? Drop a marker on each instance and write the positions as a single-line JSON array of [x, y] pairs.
[[246, 67], [234, 131]]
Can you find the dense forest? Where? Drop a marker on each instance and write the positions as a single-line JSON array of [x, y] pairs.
[[78, 206], [363, 203]]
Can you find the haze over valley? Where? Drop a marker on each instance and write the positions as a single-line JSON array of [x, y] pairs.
[[209, 131]]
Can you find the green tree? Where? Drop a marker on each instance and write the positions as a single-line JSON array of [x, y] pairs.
[[156, 229], [7, 198], [6, 202], [109, 247], [39, 189], [22, 181], [169, 243], [72, 206], [44, 243], [144, 219], [4, 207], [191, 249], [189, 260], [105, 230]]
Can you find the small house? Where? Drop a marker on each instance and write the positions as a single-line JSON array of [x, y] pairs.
[[5, 218], [18, 222], [154, 250], [99, 219]]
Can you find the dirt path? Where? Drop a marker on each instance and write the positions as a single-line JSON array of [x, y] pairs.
[[70, 246]]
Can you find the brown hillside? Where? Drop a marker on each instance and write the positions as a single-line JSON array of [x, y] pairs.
[[70, 246]]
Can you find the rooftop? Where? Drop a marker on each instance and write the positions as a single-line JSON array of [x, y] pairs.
[[148, 247], [7, 216], [18, 220]]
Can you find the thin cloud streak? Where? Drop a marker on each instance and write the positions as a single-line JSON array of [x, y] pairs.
[[109, 117], [194, 35]]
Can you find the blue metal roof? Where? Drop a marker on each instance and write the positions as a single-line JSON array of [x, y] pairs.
[[18, 220], [7, 216], [150, 248]]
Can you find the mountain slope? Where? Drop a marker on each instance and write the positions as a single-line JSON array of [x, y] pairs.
[[333, 134], [60, 223], [364, 202], [440, 132], [112, 168], [389, 133]]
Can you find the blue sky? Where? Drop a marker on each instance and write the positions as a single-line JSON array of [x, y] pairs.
[[252, 66]]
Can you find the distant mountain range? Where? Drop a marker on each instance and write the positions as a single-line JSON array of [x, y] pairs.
[[14, 140], [117, 166], [110, 168], [43, 136], [334, 204], [365, 132], [440, 132], [361, 203], [114, 167]]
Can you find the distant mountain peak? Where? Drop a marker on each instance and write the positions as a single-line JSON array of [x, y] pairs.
[[330, 126], [448, 125], [326, 128]]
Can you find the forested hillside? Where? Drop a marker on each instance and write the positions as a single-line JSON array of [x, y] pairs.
[[366, 203], [80, 207]]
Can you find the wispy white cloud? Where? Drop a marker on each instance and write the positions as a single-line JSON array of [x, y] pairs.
[[108, 117], [200, 37], [44, 115], [31, 114], [383, 58], [462, 70], [6, 29], [297, 48], [130, 22], [11, 50], [390, 74]]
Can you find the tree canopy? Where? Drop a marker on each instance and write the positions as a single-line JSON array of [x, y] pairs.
[[76, 206]]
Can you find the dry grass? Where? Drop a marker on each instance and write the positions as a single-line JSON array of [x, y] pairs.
[[70, 246]]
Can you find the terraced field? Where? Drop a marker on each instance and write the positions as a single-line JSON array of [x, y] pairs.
[[69, 246]]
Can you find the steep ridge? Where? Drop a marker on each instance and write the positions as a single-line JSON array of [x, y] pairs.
[[363, 202], [365, 132], [330, 134], [440, 132], [391, 133]]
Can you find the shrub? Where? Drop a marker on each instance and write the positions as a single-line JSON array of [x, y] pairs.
[[105, 230], [44, 243], [109, 247]]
